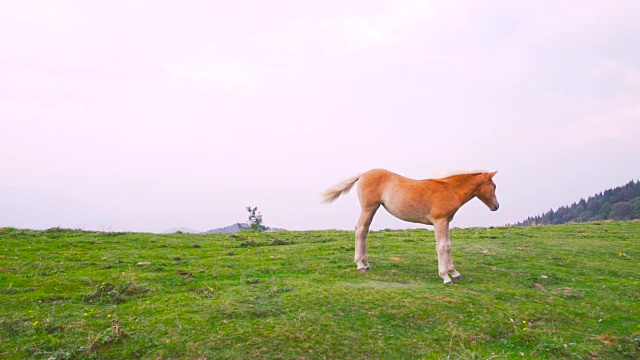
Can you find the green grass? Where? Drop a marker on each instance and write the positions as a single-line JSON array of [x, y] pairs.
[[556, 292]]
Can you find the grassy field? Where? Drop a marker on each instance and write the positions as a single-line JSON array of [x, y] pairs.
[[557, 292]]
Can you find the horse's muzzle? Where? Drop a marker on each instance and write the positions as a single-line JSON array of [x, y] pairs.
[[495, 206]]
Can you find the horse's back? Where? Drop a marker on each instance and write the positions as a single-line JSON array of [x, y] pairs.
[[402, 197], [383, 176], [378, 177], [374, 183]]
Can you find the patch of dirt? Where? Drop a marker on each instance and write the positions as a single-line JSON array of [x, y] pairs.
[[606, 340], [568, 292], [474, 340], [55, 300], [186, 274], [382, 284], [449, 299], [540, 287], [395, 258], [563, 290]]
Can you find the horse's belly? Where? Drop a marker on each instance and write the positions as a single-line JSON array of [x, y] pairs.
[[408, 214]]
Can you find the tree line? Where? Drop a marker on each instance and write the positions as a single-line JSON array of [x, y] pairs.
[[620, 203]]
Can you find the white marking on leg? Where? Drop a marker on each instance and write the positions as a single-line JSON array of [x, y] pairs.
[[443, 249], [362, 229], [450, 267], [360, 257]]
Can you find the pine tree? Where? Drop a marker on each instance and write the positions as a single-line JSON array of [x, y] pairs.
[[620, 203]]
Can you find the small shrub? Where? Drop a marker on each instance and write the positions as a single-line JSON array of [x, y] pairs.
[[10, 290], [106, 293], [205, 292], [248, 243], [273, 242], [280, 290], [237, 237], [277, 241], [11, 327], [255, 219]]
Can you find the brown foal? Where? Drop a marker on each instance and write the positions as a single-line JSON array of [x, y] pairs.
[[431, 201]]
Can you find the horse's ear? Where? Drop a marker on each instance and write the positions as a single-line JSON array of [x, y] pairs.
[[492, 174]]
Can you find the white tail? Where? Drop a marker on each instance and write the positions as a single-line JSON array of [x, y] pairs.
[[342, 188]]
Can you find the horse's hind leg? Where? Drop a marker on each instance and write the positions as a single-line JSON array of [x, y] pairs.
[[362, 229], [452, 270]]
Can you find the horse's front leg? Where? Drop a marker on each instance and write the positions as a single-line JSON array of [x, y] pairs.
[[362, 229], [443, 247]]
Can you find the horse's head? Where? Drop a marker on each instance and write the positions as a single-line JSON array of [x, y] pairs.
[[487, 192]]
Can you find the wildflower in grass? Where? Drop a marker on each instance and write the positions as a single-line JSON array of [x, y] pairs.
[[525, 329], [85, 314], [36, 323], [109, 315]]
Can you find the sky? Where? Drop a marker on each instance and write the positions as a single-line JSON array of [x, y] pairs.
[[151, 115]]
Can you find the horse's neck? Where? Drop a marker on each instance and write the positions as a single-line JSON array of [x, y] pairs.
[[466, 186]]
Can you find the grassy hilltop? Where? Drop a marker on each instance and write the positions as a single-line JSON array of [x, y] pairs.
[[568, 291]]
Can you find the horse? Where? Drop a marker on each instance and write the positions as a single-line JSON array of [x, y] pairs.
[[430, 201]]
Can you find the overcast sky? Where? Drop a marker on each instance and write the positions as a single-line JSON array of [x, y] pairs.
[[149, 115]]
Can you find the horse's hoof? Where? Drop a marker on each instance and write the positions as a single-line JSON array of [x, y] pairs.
[[457, 277], [448, 282], [363, 270]]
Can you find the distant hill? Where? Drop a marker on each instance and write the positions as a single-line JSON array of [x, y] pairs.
[[235, 228], [621, 203], [183, 230], [231, 229]]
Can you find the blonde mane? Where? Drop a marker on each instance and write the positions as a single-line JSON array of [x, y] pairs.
[[451, 173]]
